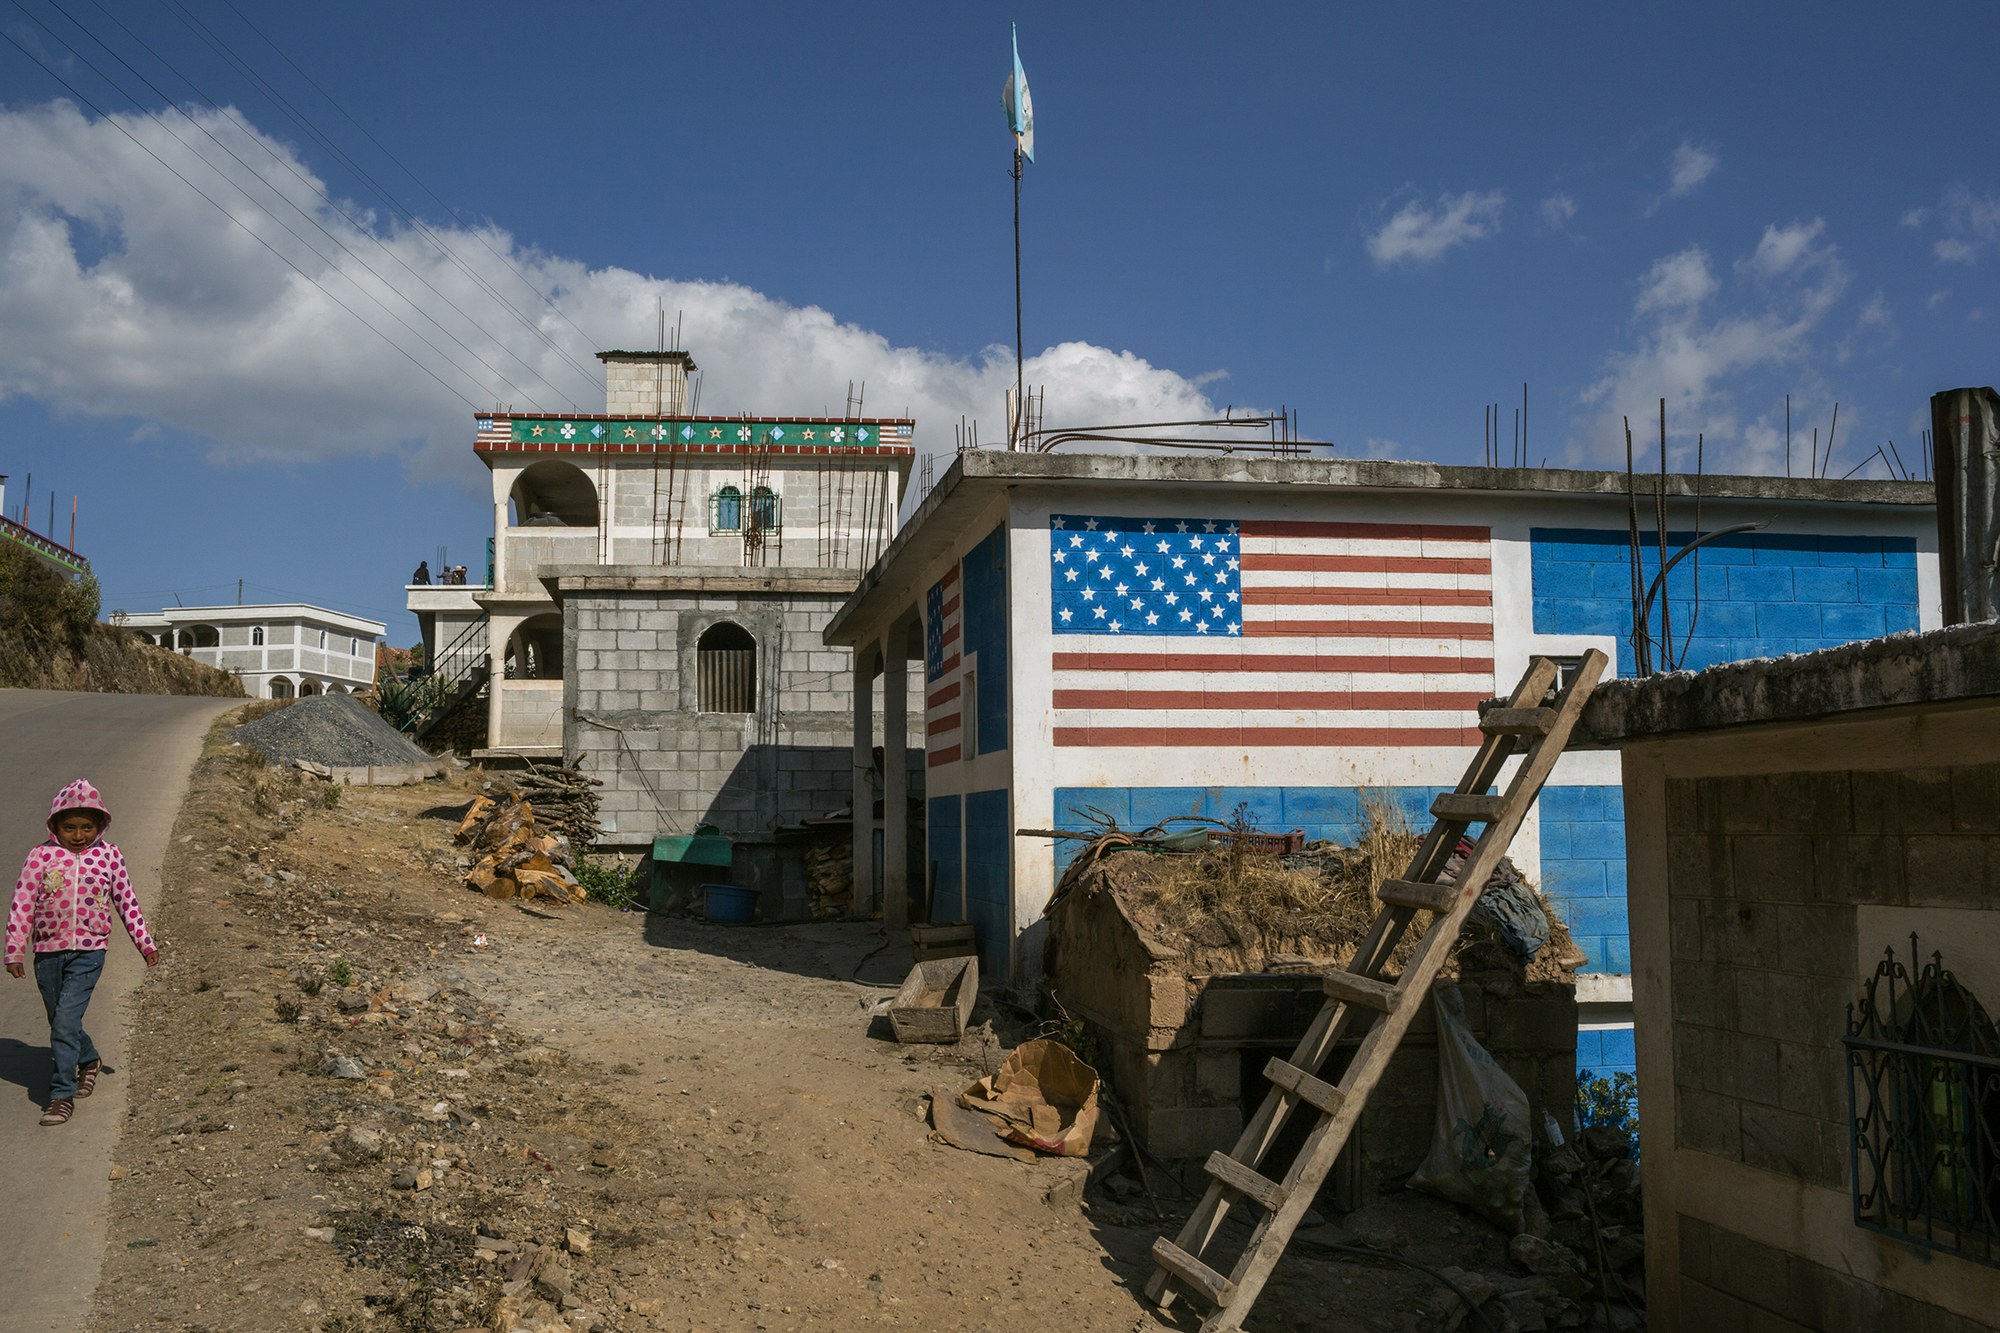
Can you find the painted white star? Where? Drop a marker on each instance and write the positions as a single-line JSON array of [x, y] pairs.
[[806, 434], [1207, 558], [1138, 605], [1090, 594], [1222, 543], [1222, 576], [1208, 526], [1215, 611], [1117, 627], [1064, 615], [1104, 571], [1201, 627], [1097, 611], [631, 433], [1190, 580], [1090, 523], [1235, 628], [1140, 568], [1186, 615], [1058, 523], [1230, 595], [1058, 555], [1207, 596], [1075, 540], [1070, 574], [1231, 564], [1146, 528], [1126, 551], [1152, 617], [1159, 584], [1180, 561], [1195, 543], [1164, 548], [1121, 590], [1090, 557], [1231, 529], [1172, 597], [1180, 527]]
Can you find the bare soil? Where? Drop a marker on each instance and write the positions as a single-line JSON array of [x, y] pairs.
[[365, 1097]]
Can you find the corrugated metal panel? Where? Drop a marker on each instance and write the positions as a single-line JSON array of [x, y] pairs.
[[727, 679]]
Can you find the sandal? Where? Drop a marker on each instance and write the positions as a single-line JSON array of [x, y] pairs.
[[86, 1077], [58, 1112]]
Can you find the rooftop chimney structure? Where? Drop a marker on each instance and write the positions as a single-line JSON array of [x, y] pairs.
[[646, 384]]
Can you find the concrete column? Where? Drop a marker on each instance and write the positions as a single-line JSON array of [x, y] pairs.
[[864, 785], [895, 785]]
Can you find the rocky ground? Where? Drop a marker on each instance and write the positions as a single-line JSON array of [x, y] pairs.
[[364, 1097]]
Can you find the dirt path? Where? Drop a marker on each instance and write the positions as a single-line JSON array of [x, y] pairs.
[[592, 1120]]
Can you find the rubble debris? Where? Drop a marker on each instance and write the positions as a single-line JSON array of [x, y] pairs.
[[1043, 1097], [335, 730], [518, 858]]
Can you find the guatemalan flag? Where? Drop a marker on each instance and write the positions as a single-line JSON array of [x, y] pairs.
[[1020, 106], [1213, 631]]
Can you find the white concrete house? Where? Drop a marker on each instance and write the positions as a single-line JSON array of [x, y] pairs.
[[282, 650]]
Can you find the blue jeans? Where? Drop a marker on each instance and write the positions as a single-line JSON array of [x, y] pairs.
[[67, 978]]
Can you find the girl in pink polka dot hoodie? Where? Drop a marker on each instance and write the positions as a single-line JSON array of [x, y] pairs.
[[69, 890]]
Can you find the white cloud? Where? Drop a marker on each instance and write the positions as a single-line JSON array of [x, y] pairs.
[[1688, 166], [128, 296], [1916, 217], [1782, 248], [1378, 447], [1706, 357], [1970, 222], [1677, 281], [1420, 234], [1557, 211], [1937, 298]]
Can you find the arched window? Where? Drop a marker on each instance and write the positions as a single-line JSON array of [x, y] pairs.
[[764, 509], [307, 688], [256, 636], [726, 669], [281, 688], [725, 510]]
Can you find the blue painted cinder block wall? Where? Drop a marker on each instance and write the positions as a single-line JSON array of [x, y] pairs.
[[1761, 594], [1583, 870], [985, 573], [989, 877], [1334, 813], [944, 826], [1606, 1051]]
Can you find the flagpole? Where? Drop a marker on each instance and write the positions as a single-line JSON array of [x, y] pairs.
[[1019, 424]]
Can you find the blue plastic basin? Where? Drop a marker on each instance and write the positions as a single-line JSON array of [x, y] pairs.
[[729, 904]]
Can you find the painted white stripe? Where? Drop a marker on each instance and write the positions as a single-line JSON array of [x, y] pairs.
[[1192, 683], [1276, 717], [1369, 546]]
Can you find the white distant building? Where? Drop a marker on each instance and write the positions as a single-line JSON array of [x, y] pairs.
[[281, 651]]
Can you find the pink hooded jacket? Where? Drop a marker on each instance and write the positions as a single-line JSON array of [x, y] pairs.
[[65, 899]]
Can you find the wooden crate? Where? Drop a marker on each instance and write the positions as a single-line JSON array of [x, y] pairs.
[[950, 939], [935, 1003]]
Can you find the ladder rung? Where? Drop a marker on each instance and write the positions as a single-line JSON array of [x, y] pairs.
[[1416, 893], [1192, 1271], [1518, 721], [1267, 1194], [1466, 806], [1312, 1091], [1351, 989]]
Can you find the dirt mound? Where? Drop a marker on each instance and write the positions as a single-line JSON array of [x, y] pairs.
[[50, 639], [334, 729]]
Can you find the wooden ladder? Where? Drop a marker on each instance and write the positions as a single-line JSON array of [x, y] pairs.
[[1530, 725]]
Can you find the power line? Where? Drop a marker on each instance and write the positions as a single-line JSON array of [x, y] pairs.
[[112, 121], [324, 197], [214, 41], [158, 120], [335, 104]]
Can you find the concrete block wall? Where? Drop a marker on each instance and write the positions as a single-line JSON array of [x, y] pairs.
[[1583, 870], [1730, 1281]]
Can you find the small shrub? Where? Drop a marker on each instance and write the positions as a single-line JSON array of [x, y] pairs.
[[609, 883], [1612, 1103], [339, 973]]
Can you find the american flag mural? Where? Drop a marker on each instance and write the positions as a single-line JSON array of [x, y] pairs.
[[943, 623], [1212, 632]]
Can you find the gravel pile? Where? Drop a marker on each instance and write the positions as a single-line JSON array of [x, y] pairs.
[[333, 729]]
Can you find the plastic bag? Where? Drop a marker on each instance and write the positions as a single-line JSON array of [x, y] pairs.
[[1482, 1152]]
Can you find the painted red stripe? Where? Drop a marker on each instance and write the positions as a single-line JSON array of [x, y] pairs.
[[1363, 629], [1296, 738], [1228, 659], [1366, 597], [938, 726], [949, 665], [1171, 700], [1366, 531], [943, 695], [1267, 561], [947, 755], [950, 607], [950, 634]]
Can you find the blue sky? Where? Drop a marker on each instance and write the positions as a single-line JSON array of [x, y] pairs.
[[1383, 218]]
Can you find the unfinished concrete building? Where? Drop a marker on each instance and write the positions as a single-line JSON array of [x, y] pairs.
[[657, 590]]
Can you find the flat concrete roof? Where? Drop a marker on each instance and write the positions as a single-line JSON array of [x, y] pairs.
[[979, 474], [727, 579], [1953, 665]]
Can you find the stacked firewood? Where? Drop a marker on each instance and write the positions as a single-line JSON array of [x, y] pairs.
[[517, 856], [830, 878], [565, 798]]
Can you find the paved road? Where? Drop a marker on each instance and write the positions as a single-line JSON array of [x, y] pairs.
[[138, 749]]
